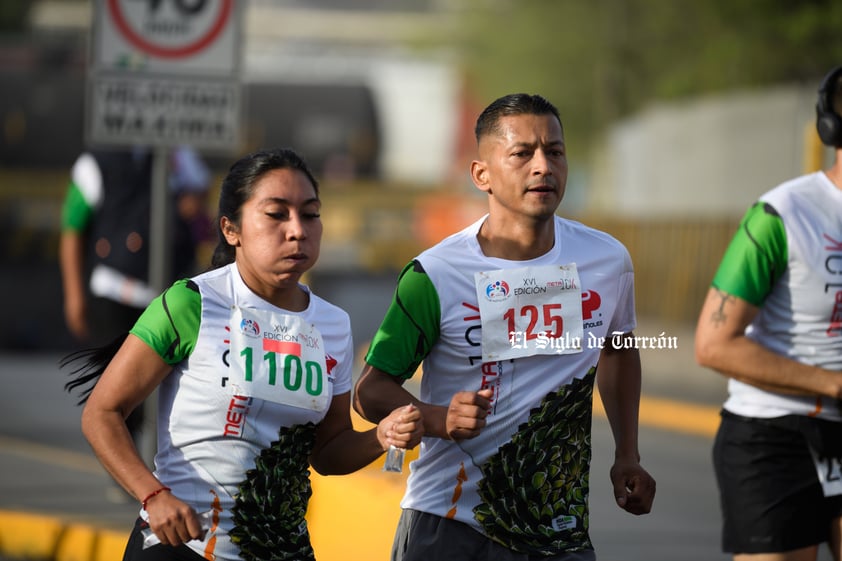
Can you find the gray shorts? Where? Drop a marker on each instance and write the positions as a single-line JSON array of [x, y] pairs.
[[421, 537]]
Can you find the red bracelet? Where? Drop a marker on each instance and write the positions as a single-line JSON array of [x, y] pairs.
[[152, 494]]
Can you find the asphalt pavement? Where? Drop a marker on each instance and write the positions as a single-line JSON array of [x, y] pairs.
[[57, 503]]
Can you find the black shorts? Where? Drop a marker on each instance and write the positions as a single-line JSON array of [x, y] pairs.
[[769, 490]]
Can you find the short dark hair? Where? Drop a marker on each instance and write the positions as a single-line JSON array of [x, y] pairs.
[[512, 104], [238, 188]]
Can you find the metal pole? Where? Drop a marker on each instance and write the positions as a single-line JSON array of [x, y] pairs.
[[160, 264], [160, 227]]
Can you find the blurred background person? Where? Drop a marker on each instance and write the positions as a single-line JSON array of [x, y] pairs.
[[104, 242]]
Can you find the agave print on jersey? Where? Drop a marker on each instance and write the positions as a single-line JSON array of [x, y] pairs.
[[535, 488]]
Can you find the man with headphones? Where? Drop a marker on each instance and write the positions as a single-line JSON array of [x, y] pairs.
[[772, 324]]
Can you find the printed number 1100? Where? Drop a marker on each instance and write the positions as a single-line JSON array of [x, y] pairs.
[[294, 372]]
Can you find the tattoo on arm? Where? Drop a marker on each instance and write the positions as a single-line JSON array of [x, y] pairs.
[[719, 316]]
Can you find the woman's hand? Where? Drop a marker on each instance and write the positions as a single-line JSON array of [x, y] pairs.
[[403, 428], [173, 521]]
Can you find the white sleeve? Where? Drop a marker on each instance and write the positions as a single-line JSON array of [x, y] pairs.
[[87, 177]]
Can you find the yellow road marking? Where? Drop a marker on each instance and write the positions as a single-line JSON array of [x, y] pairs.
[[51, 455], [677, 416]]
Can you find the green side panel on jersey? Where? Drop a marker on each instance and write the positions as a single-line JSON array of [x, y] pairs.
[[410, 327], [75, 211], [756, 257], [170, 324]]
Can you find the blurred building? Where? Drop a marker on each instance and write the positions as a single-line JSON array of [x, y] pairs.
[[344, 83], [339, 81], [706, 157]]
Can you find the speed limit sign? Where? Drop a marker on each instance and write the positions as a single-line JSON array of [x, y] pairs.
[[195, 36], [165, 72]]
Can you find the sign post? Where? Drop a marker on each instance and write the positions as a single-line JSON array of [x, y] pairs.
[[164, 73]]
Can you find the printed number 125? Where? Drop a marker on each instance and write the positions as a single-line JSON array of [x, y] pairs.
[[551, 316]]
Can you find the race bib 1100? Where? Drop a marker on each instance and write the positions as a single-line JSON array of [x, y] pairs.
[[279, 358]]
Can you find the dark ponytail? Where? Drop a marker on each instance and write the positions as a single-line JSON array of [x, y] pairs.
[[88, 365]]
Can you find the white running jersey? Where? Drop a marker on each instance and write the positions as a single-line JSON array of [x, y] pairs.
[[209, 434], [797, 227], [538, 432]]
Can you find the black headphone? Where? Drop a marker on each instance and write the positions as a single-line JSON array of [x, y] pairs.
[[828, 122]]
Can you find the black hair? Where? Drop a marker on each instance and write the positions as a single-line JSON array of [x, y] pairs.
[[238, 188], [90, 364], [512, 104]]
